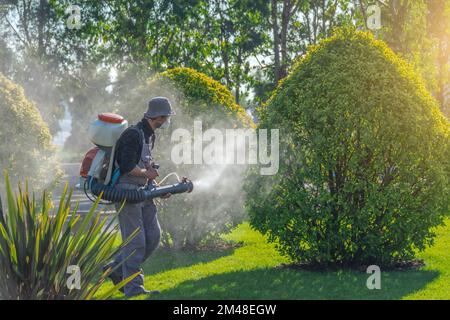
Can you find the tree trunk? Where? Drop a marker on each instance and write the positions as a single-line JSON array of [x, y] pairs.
[[284, 31], [41, 22], [276, 43], [224, 47], [226, 63], [436, 23], [238, 79]]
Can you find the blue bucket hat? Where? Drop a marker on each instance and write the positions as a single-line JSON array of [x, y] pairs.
[[159, 106]]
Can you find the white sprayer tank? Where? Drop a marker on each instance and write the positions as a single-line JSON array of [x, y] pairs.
[[105, 130]]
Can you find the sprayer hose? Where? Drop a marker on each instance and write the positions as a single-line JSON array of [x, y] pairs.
[[114, 194]]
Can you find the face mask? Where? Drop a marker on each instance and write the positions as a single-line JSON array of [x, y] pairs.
[[166, 124]]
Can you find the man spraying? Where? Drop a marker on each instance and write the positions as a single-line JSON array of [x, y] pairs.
[[134, 158]]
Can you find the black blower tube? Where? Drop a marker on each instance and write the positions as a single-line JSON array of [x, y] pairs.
[[135, 196]]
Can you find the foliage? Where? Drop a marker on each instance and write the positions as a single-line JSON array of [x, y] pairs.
[[364, 159], [37, 246], [231, 41], [189, 219], [419, 32], [201, 95], [26, 149]]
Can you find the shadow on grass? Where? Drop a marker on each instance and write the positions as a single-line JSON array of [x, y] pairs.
[[294, 284], [163, 260]]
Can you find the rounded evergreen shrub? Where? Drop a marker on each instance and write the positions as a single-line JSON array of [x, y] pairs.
[[216, 204], [364, 158], [25, 149]]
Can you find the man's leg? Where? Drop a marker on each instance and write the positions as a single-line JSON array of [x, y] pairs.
[[116, 273], [130, 219], [117, 259], [152, 228]]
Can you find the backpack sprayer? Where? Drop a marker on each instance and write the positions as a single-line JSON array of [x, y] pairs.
[[100, 173]]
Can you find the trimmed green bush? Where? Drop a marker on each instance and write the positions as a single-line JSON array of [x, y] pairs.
[[364, 158], [25, 148], [190, 220]]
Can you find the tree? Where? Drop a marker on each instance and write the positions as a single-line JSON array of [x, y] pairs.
[[419, 32], [240, 29], [438, 21], [299, 23], [364, 160], [47, 55], [28, 151], [288, 10]]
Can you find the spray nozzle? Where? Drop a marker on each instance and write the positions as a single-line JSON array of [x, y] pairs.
[[188, 183], [185, 185]]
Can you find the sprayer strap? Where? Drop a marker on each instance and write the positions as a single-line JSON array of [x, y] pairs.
[[141, 135], [153, 140], [141, 145], [141, 132]]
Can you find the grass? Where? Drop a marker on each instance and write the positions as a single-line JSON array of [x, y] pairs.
[[249, 272]]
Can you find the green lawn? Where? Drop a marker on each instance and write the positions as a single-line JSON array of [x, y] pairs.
[[249, 272]]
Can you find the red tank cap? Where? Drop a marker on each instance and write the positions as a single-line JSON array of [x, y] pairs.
[[110, 117]]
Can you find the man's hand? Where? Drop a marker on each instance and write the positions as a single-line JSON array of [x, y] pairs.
[[166, 196], [151, 173]]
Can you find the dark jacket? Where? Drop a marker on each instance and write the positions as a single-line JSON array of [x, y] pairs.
[[130, 144]]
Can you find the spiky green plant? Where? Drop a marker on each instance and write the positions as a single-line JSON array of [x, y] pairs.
[[38, 244]]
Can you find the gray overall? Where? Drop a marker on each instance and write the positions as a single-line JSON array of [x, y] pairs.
[[133, 216]]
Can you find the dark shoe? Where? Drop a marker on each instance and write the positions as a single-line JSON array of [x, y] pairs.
[[154, 292], [143, 291], [115, 277]]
